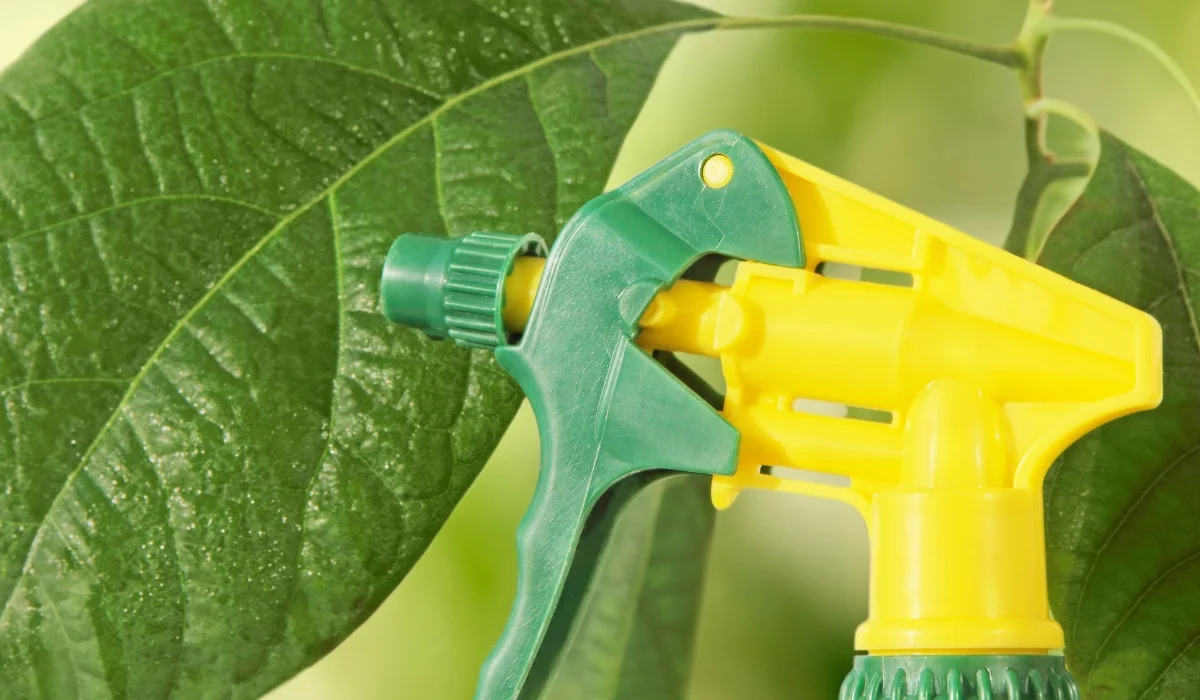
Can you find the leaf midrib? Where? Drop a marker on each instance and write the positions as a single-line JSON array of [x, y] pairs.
[[1170, 243], [449, 103]]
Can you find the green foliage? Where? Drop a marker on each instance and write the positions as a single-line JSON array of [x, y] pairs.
[[1123, 504], [632, 638], [217, 456], [1051, 186]]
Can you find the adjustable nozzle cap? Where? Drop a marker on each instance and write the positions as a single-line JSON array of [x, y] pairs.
[[413, 277], [453, 287]]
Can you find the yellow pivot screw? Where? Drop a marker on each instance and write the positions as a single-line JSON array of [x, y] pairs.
[[717, 171]]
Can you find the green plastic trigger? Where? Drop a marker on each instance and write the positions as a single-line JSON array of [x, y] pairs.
[[605, 409]]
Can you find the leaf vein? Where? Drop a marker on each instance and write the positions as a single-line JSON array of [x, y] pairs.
[[1162, 228], [322, 23], [72, 195], [21, 106], [63, 629], [61, 380], [514, 28], [1120, 525], [196, 65], [335, 227], [558, 185], [176, 547], [136, 202], [1162, 674], [135, 49], [1112, 233], [439, 180], [388, 21], [109, 178], [216, 19], [147, 151], [1136, 603], [253, 251]]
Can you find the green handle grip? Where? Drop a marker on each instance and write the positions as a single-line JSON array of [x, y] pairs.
[[605, 409], [595, 537], [598, 530]]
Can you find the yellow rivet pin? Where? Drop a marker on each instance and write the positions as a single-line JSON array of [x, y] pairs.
[[717, 171]]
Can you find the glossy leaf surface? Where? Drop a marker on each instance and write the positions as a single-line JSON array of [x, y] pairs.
[[217, 457], [1123, 504]]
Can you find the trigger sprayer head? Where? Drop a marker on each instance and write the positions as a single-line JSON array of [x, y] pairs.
[[453, 287]]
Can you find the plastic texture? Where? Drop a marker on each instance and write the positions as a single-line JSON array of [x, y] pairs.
[[605, 409], [453, 287], [988, 364], [954, 677]]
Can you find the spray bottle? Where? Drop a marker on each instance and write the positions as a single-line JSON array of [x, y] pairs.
[[989, 365]]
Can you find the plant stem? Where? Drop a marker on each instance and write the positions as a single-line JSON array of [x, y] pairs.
[[1042, 173], [1046, 106], [1043, 168], [1031, 45], [993, 53], [1069, 24], [1024, 56]]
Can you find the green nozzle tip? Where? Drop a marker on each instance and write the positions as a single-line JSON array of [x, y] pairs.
[[453, 287], [413, 276]]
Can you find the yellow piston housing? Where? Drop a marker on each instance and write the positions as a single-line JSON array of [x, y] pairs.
[[989, 365]]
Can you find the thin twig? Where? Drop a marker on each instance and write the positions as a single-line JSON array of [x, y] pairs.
[[993, 53], [1072, 24]]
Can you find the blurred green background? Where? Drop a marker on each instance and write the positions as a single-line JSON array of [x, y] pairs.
[[935, 131]]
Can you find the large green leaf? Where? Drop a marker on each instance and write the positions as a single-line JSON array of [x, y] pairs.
[[632, 635], [217, 459], [1123, 505]]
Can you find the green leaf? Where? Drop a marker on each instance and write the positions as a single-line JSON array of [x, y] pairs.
[[1052, 183], [1123, 504], [217, 458], [632, 637]]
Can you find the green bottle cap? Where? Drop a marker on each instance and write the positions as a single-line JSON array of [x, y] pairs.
[[959, 677], [453, 287]]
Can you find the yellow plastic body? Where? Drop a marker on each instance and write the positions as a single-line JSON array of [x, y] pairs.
[[989, 365]]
